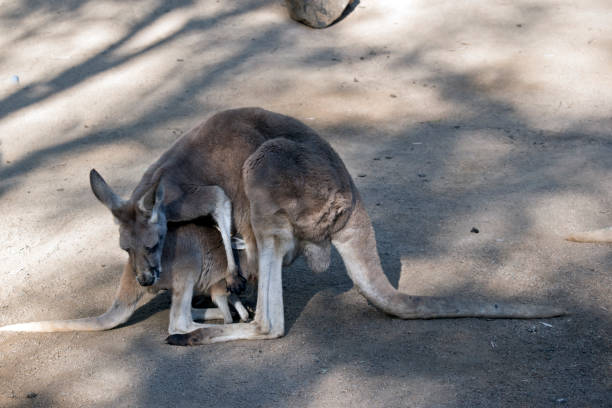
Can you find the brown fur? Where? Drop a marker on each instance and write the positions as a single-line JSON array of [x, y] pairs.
[[157, 201], [291, 194]]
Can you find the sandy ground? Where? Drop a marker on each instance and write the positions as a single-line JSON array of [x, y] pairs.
[[450, 115]]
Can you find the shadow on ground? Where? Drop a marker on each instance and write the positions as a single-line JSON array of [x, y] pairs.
[[426, 184]]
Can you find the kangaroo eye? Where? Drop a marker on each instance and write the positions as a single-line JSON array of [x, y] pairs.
[[153, 248]]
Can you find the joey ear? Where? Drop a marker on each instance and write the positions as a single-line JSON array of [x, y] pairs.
[[151, 202], [103, 192], [147, 201], [159, 195], [158, 206]]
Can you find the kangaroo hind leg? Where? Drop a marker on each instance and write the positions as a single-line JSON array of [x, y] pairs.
[[181, 312], [269, 318], [274, 237], [204, 314]]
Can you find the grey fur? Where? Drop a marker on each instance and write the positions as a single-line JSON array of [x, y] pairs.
[[290, 194]]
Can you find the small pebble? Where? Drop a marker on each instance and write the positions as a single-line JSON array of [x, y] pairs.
[[361, 175], [474, 230], [32, 395], [393, 96]]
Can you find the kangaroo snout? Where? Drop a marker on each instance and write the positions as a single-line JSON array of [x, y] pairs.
[[148, 278]]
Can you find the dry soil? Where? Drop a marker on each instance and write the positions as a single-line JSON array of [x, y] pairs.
[[493, 115]]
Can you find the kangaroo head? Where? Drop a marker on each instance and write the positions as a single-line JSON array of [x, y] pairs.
[[142, 226]]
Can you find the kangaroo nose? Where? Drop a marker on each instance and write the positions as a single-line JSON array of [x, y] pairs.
[[146, 280]]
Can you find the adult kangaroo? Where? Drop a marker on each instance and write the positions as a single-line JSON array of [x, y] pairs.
[[291, 194]]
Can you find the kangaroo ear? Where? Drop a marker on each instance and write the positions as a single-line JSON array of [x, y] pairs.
[[103, 192], [195, 202]]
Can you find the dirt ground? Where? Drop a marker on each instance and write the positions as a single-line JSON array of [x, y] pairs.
[[493, 115]]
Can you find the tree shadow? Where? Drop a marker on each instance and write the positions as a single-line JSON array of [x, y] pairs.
[[430, 193], [104, 61]]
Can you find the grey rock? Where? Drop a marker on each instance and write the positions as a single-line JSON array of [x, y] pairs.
[[316, 13]]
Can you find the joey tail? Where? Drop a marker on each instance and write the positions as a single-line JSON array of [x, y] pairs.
[[124, 304], [356, 244]]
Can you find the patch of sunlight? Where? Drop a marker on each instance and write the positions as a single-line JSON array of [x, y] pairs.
[[523, 55], [80, 108], [102, 387], [163, 28], [365, 23], [559, 214], [45, 44], [272, 13]]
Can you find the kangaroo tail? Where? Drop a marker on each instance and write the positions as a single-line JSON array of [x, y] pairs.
[[600, 235], [126, 300], [356, 244]]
